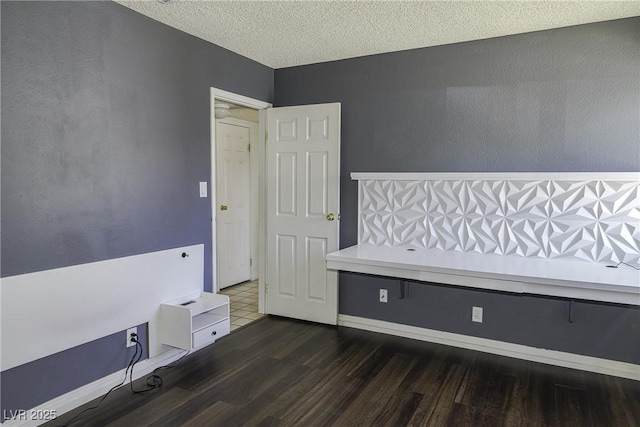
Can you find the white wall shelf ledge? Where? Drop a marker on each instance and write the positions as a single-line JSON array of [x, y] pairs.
[[520, 176], [573, 279]]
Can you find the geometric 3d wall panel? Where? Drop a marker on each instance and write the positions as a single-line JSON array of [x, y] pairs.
[[591, 219]]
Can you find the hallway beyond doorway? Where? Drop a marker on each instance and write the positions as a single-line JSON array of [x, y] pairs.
[[244, 303]]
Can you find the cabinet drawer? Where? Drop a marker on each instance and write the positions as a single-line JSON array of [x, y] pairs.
[[210, 333]]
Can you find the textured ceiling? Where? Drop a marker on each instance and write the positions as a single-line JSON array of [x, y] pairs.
[[288, 33]]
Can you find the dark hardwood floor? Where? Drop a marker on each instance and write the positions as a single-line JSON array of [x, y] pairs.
[[281, 372]]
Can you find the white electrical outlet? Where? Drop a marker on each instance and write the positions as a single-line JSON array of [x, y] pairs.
[[130, 331], [476, 314], [383, 295]]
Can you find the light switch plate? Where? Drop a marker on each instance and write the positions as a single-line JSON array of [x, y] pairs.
[[203, 189]]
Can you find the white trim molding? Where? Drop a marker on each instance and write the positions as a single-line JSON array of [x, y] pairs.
[[234, 98], [517, 351], [520, 176]]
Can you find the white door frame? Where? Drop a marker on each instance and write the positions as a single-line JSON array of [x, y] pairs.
[[219, 95]]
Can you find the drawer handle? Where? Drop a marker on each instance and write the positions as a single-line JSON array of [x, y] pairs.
[[213, 333]]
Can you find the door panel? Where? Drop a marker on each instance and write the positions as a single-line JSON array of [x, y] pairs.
[[286, 191], [303, 159], [287, 129], [317, 128], [234, 204], [317, 192], [316, 251], [286, 275]]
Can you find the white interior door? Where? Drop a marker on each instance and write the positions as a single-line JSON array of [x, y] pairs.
[[233, 193], [303, 198]]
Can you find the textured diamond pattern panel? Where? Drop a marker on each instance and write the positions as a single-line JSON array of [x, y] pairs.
[[591, 220]]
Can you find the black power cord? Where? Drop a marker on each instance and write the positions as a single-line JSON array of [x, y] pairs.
[[130, 366], [154, 380]]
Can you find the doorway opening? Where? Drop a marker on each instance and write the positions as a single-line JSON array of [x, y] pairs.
[[237, 204]]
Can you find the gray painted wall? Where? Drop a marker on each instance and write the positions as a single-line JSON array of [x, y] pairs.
[[105, 133], [105, 136], [600, 330], [558, 100]]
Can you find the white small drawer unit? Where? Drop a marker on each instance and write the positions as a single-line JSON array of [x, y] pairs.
[[191, 323]]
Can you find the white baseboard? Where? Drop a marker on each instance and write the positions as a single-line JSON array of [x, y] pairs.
[[78, 397], [517, 351]]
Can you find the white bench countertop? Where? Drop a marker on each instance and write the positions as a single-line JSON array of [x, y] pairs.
[[555, 277]]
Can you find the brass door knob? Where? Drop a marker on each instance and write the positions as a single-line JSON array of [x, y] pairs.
[[223, 207], [331, 217]]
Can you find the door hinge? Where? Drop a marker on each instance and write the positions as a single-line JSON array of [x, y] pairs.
[[266, 288], [249, 148], [266, 135], [250, 262]]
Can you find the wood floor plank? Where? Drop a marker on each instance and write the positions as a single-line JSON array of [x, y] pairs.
[[296, 394], [522, 409], [486, 388], [398, 409], [435, 407], [270, 422], [464, 415], [282, 372], [305, 343], [630, 399], [575, 410], [255, 411], [378, 391], [211, 416], [428, 375], [326, 402], [154, 409]]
